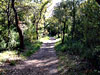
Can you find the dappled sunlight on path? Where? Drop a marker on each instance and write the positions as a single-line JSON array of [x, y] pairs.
[[43, 62], [52, 40]]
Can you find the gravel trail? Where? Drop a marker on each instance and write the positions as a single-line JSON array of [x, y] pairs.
[[43, 62]]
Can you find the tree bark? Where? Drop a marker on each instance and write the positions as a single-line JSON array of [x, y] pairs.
[[58, 31], [40, 14], [37, 31], [74, 21], [64, 32], [18, 28], [8, 17]]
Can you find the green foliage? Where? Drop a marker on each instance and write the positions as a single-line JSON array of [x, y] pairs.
[[30, 33], [82, 28], [12, 63], [72, 47], [32, 47], [78, 22], [28, 15], [75, 51], [13, 42], [11, 56], [52, 26], [2, 43], [75, 47]]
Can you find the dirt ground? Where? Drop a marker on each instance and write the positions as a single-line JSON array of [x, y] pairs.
[[43, 62]]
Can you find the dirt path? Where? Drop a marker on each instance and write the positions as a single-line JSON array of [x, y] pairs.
[[44, 62]]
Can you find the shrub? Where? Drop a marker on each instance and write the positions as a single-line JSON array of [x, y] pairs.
[[72, 47], [12, 63]]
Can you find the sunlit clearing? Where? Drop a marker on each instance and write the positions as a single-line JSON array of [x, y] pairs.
[[51, 41], [44, 39], [8, 55]]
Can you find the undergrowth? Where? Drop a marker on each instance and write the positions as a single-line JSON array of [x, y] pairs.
[[12, 56], [77, 58]]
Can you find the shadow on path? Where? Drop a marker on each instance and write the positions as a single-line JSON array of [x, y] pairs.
[[43, 62]]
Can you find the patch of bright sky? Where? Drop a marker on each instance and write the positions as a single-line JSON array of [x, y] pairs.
[[51, 7]]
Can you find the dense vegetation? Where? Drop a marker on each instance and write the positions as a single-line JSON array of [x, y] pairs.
[[76, 22], [80, 30], [19, 22], [21, 25]]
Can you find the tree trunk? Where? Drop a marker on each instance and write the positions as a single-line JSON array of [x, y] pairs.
[[74, 21], [44, 24], [58, 32], [40, 14], [64, 32], [8, 17], [37, 31], [18, 28]]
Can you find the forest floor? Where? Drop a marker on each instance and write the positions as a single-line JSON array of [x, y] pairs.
[[43, 62]]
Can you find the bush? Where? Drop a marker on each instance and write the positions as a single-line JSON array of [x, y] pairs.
[[12, 40], [12, 63], [72, 47], [32, 47]]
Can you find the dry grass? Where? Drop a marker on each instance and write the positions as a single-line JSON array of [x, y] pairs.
[[6, 56]]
